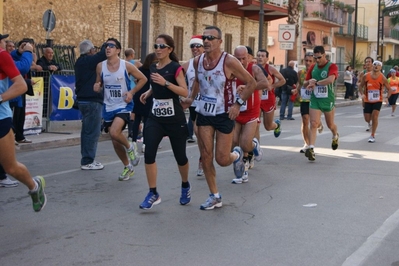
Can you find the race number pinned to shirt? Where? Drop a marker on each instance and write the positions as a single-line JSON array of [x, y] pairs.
[[305, 94], [113, 92], [373, 95], [320, 92], [206, 106], [393, 89], [265, 95], [163, 107]]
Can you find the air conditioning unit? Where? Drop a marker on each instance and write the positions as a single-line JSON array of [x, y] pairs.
[[270, 41], [327, 40]]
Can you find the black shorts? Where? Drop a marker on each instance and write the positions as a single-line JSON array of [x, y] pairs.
[[193, 113], [370, 107], [220, 122], [5, 126], [392, 99], [125, 117], [304, 108]]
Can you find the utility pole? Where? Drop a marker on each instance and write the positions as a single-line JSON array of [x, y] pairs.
[[261, 22], [354, 37], [145, 29]]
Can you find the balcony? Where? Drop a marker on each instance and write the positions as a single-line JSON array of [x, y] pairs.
[[324, 14], [362, 31], [391, 33]]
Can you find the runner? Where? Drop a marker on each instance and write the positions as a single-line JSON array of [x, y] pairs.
[[371, 89], [304, 102], [217, 109], [113, 78], [320, 80], [393, 81], [246, 121]]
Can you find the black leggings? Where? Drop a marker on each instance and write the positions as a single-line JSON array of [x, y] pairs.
[[155, 131], [136, 126]]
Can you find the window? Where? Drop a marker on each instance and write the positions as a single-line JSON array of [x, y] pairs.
[[251, 43], [134, 38], [228, 39], [178, 38]]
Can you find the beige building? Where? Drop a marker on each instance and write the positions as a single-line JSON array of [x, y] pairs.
[[100, 19]]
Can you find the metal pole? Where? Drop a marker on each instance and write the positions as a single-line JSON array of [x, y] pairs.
[[354, 37], [145, 29], [379, 26], [261, 22]]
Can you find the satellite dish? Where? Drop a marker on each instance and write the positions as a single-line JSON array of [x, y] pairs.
[[134, 6]]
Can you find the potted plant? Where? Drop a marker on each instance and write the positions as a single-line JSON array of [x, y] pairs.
[[336, 4], [316, 13], [350, 9]]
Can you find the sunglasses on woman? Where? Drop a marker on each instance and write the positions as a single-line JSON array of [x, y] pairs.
[[161, 46]]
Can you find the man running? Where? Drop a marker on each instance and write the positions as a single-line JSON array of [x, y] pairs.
[[113, 78], [368, 66], [371, 90], [246, 121], [217, 109], [320, 79]]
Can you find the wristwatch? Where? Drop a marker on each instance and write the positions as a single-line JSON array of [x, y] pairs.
[[1, 99], [167, 83], [240, 101]]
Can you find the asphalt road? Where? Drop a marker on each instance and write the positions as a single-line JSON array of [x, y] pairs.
[[91, 218]]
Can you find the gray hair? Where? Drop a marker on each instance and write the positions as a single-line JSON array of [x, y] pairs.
[[85, 46]]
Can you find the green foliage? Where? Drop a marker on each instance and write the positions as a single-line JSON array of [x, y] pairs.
[[359, 59], [392, 62]]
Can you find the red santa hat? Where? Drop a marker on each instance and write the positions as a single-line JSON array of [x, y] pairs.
[[196, 39]]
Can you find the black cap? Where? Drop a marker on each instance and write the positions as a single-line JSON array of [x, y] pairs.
[[3, 36]]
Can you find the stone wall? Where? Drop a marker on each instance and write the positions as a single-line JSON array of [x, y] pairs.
[[97, 20]]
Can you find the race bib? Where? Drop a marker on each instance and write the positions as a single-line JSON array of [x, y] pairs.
[[320, 92], [393, 89], [206, 106], [265, 95], [163, 108], [373, 95], [305, 94], [113, 91], [196, 100]]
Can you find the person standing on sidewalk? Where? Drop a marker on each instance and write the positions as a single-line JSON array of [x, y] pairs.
[[371, 90], [288, 89], [393, 81], [320, 80], [113, 79], [166, 119], [348, 78], [89, 102], [197, 48], [217, 109], [9, 72]]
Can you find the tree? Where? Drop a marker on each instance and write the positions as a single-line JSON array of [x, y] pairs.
[[294, 9]]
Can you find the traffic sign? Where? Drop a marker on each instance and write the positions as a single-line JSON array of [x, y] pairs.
[[286, 46], [48, 20], [286, 33]]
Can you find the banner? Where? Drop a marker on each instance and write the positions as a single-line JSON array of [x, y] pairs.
[[34, 108], [62, 97]]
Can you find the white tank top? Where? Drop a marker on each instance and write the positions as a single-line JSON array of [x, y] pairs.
[[116, 84], [216, 90]]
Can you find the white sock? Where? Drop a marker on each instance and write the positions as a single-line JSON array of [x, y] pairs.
[[311, 146], [36, 187], [131, 147], [216, 195]]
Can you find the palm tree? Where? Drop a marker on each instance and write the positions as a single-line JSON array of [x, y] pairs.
[[294, 11]]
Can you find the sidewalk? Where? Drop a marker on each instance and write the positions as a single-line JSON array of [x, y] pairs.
[[63, 139]]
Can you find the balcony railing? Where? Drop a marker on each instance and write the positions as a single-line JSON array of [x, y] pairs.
[[391, 33], [327, 13], [362, 31]]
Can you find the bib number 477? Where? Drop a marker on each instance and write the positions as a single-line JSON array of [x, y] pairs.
[[209, 107]]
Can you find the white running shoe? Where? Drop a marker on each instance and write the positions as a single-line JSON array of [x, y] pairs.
[[92, 166], [371, 139]]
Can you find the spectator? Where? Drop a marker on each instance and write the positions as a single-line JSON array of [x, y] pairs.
[[90, 103], [10, 46], [289, 88], [348, 79], [47, 62]]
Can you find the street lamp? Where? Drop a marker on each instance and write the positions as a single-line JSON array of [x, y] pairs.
[[355, 36], [261, 22]]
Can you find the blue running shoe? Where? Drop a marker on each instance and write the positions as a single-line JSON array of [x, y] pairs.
[[211, 203], [257, 150], [239, 166], [150, 200], [277, 130], [185, 197]]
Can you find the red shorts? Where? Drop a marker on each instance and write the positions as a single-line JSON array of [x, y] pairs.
[[268, 106], [244, 119]]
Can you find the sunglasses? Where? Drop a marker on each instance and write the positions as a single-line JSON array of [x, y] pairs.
[[111, 45], [195, 46], [209, 37], [317, 57], [377, 64], [161, 46]]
